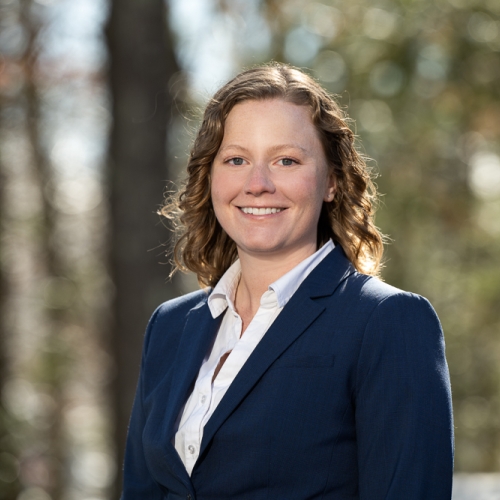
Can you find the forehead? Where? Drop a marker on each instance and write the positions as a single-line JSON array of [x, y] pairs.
[[272, 105], [274, 118]]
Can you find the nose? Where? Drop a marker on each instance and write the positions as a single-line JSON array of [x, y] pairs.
[[259, 180]]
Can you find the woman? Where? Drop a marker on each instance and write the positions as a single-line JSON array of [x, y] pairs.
[[297, 374]]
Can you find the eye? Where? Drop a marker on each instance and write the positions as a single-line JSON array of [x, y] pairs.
[[286, 162], [236, 161]]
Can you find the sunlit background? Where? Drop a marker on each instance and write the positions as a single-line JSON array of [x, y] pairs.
[[79, 188]]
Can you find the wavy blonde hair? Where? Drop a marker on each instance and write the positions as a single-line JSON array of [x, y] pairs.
[[202, 246]]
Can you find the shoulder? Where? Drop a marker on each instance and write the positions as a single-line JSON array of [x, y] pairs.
[[381, 297], [169, 318], [402, 342], [398, 305], [398, 322], [371, 289], [355, 300], [386, 315], [182, 305], [336, 277]]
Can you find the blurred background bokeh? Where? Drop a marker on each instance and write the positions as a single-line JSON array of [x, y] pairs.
[[99, 100]]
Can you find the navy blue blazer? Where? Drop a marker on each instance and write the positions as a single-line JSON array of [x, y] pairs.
[[347, 396]]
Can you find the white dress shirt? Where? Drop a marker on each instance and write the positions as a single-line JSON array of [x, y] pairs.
[[206, 394]]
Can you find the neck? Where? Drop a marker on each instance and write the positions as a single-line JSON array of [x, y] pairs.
[[259, 271]]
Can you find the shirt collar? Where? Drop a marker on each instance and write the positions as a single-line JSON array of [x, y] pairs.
[[287, 285], [224, 292]]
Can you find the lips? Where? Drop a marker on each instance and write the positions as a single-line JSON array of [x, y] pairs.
[[260, 210]]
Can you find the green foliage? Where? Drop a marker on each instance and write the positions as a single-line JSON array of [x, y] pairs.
[[9, 464]]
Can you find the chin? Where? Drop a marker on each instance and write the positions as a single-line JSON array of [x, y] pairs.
[[259, 247], [268, 246]]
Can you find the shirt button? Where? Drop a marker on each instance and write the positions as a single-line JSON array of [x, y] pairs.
[[191, 449], [203, 399]]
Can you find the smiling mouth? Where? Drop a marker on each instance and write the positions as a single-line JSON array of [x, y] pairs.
[[261, 211]]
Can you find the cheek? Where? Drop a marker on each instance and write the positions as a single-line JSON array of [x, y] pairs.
[[221, 192], [217, 189], [310, 191], [223, 186]]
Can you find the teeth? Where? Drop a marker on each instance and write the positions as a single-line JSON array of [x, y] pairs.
[[260, 211]]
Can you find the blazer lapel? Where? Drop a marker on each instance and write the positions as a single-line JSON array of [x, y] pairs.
[[198, 334], [296, 317]]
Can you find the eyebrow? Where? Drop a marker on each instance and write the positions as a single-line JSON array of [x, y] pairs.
[[272, 149]]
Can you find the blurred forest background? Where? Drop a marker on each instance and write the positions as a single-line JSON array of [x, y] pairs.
[[98, 103]]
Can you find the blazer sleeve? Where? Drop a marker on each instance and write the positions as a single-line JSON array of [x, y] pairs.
[[137, 481], [404, 422]]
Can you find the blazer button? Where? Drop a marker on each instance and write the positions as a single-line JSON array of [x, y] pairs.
[[189, 497]]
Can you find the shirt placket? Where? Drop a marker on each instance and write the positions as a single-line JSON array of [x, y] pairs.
[[193, 436]]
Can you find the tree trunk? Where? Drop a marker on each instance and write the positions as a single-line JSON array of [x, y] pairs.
[[141, 64], [9, 484], [50, 252]]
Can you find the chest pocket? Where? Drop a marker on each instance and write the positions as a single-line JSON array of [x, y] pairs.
[[305, 361]]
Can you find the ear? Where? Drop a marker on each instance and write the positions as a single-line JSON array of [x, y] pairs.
[[331, 188]]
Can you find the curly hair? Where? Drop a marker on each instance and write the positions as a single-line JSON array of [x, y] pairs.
[[205, 248]]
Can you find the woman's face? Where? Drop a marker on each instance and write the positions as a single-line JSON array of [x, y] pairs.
[[270, 178]]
